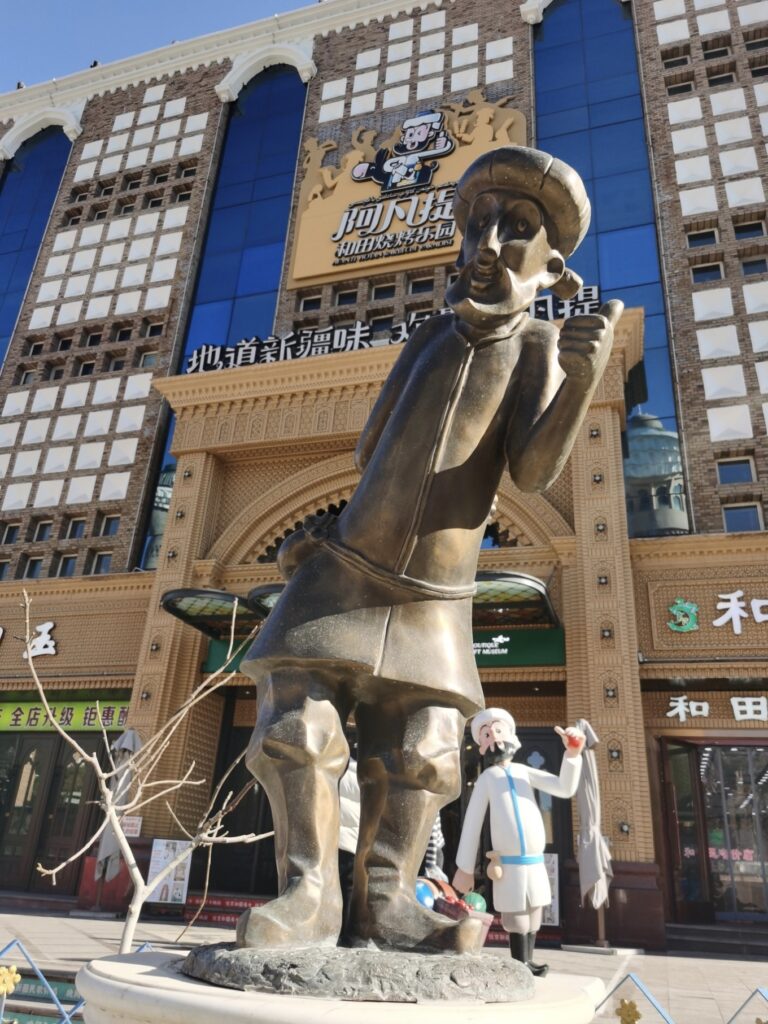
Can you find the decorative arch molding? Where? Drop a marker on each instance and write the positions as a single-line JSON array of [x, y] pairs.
[[282, 505], [247, 65], [67, 118], [528, 517]]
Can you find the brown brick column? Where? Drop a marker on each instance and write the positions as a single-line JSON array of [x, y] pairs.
[[170, 659], [603, 672]]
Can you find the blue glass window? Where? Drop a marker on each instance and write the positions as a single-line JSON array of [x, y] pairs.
[[589, 113], [242, 256], [28, 189]]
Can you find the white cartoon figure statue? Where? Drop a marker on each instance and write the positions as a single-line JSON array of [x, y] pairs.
[[520, 884]]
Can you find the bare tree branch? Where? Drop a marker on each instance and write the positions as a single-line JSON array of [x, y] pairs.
[[135, 771]]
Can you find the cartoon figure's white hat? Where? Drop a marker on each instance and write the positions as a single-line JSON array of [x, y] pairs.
[[430, 117], [488, 716]]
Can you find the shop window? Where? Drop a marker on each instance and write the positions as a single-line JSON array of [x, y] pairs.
[[742, 518], [750, 268], [707, 272], [379, 292], [735, 471], [10, 533], [5, 569], [420, 285], [64, 565], [74, 529], [107, 526], [309, 303], [43, 530], [345, 298], [100, 563], [31, 567], [749, 229]]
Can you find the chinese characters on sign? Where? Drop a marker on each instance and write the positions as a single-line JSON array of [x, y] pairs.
[[735, 608], [744, 709], [322, 341], [43, 643], [73, 716]]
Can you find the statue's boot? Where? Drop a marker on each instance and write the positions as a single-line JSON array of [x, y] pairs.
[[518, 947], [385, 910], [538, 970], [298, 756]]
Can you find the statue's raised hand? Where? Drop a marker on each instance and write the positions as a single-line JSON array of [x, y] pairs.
[[585, 342]]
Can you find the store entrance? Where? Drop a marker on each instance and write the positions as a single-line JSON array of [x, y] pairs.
[[717, 812], [46, 795]]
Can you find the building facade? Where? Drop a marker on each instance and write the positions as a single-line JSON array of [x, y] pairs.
[[209, 257]]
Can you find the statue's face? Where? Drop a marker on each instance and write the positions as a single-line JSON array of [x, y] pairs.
[[494, 733], [507, 259]]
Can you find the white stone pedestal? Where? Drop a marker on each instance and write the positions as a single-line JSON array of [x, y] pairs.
[[146, 988]]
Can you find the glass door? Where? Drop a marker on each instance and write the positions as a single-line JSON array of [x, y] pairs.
[[69, 810], [735, 788], [686, 838], [26, 763]]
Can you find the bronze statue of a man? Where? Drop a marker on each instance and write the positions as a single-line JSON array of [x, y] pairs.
[[376, 617]]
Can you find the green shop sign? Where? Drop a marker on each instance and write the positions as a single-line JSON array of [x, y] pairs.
[[71, 715], [499, 647]]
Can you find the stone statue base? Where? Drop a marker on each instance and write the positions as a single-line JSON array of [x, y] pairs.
[[149, 988], [366, 975]]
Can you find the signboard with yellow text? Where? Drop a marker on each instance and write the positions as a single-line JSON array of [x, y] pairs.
[[389, 202]]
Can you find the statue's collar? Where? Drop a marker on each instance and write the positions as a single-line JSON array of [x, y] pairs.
[[477, 336]]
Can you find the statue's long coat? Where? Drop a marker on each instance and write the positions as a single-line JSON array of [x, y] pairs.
[[383, 594]]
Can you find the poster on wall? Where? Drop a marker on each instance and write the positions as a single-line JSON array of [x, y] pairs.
[[387, 202], [173, 888]]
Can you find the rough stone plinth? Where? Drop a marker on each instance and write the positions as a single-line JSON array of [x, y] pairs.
[[367, 975]]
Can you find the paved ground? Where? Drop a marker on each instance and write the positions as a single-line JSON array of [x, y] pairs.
[[693, 990]]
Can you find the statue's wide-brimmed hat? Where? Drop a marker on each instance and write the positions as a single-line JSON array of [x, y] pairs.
[[555, 186], [486, 717]]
